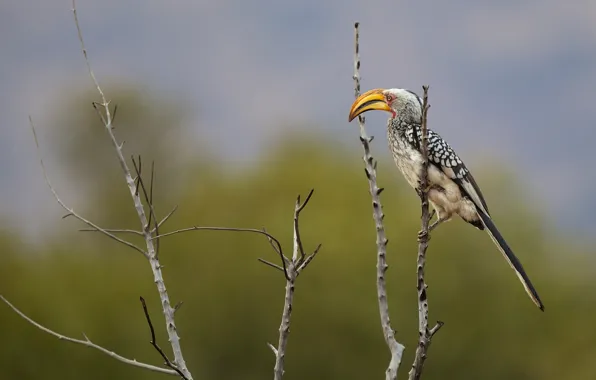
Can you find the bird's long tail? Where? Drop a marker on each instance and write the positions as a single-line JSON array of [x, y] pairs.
[[510, 257]]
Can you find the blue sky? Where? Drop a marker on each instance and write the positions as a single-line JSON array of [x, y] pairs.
[[511, 81]]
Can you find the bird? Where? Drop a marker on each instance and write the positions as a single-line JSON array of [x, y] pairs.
[[452, 190]]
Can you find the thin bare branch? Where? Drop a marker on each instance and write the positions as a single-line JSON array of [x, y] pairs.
[[269, 263], [148, 198], [151, 253], [273, 245], [98, 111], [272, 349], [298, 248], [425, 335], [138, 170], [152, 179], [309, 258], [165, 218], [91, 74], [70, 211], [303, 205], [88, 343], [114, 112], [395, 347], [178, 305], [201, 228], [436, 328], [153, 341], [111, 230], [279, 250]]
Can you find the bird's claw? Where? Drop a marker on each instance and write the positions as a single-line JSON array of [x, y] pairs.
[[423, 235], [419, 189], [432, 215]]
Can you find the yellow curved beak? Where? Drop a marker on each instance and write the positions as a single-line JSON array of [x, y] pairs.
[[370, 100]]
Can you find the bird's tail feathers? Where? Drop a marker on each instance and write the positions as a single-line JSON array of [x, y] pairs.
[[510, 257]]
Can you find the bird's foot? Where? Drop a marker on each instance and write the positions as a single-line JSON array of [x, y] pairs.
[[419, 189], [432, 215], [435, 224], [426, 234], [423, 236]]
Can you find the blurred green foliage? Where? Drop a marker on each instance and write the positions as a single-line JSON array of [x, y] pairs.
[[76, 283]]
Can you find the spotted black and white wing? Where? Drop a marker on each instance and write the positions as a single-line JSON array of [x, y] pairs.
[[444, 157]]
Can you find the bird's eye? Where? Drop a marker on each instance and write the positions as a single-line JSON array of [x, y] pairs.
[[390, 98]]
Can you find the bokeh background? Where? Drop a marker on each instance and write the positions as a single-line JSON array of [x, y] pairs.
[[243, 105]]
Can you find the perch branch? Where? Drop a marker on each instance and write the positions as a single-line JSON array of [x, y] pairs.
[[89, 343], [395, 347], [151, 253], [425, 335]]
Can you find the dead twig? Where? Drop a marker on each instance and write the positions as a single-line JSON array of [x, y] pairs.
[[161, 222], [153, 342], [112, 230], [274, 242], [148, 195]]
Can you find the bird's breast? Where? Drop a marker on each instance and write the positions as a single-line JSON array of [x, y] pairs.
[[407, 159]]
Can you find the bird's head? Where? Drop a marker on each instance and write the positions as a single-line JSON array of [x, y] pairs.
[[399, 102]]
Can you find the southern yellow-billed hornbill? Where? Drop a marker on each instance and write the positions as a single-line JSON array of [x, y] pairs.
[[452, 189]]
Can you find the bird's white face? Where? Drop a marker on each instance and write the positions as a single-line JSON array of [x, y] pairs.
[[396, 101]]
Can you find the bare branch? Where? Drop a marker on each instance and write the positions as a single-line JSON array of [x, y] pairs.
[[277, 247], [178, 305], [309, 258], [91, 74], [151, 253], [273, 245], [272, 348], [298, 248], [425, 335], [70, 211], [148, 199], [295, 265], [111, 230], [269, 263], [395, 347], [436, 328], [154, 342], [88, 343], [165, 218], [151, 194]]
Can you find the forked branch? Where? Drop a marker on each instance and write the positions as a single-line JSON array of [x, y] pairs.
[[290, 266], [153, 342]]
